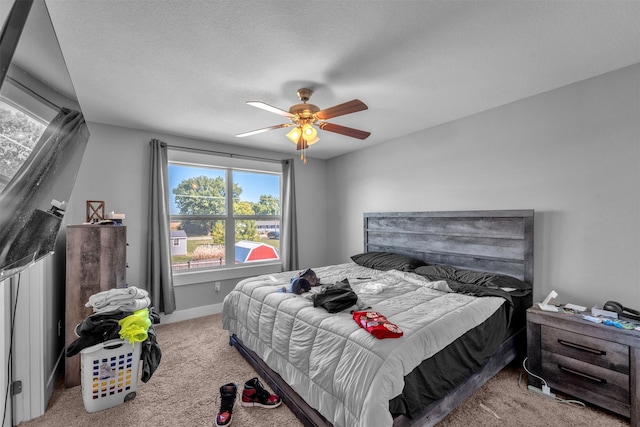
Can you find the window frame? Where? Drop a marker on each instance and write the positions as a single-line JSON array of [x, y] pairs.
[[228, 164]]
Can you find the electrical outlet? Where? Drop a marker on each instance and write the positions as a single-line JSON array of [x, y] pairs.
[[217, 286]]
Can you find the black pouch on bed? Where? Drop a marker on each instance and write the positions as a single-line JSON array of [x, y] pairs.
[[336, 297]]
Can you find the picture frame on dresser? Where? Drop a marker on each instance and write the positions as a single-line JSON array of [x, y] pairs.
[[594, 362]]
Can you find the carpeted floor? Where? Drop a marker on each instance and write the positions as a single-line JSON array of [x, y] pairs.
[[197, 360]]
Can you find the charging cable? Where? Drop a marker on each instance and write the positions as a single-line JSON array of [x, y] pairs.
[[546, 390]]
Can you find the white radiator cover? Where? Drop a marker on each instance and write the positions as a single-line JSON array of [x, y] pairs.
[[28, 294]]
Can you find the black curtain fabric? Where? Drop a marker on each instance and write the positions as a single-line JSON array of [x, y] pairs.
[[159, 275]]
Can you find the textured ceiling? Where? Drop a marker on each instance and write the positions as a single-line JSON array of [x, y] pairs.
[[188, 67]]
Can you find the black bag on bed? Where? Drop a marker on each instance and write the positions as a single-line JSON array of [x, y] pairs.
[[336, 297]]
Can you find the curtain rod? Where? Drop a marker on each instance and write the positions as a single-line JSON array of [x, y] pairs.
[[222, 153], [51, 104]]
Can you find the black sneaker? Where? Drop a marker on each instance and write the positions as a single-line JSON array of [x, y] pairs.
[[228, 399], [254, 394]]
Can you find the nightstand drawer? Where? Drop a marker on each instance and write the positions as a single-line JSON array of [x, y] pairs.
[[595, 351], [565, 373]]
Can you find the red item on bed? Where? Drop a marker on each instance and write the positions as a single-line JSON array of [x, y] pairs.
[[376, 324]]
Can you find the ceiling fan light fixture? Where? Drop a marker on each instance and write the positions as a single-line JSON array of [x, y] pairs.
[[309, 133], [305, 118], [294, 134]]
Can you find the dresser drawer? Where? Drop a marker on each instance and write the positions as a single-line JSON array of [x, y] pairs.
[[577, 377], [594, 351]]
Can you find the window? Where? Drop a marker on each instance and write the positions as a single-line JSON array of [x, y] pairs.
[[24, 117], [19, 133], [223, 212]]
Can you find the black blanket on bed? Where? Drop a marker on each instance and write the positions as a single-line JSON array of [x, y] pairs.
[[442, 372]]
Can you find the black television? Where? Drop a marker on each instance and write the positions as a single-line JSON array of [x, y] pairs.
[[43, 136]]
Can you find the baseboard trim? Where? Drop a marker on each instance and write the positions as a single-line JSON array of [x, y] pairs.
[[191, 313]]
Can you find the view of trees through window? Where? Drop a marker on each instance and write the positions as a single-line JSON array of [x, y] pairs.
[[19, 134], [205, 233]]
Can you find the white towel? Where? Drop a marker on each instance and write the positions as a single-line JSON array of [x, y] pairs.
[[104, 298], [372, 288], [128, 306], [439, 285]]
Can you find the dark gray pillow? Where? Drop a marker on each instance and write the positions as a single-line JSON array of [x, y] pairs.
[[490, 280], [437, 272], [387, 261], [478, 278]]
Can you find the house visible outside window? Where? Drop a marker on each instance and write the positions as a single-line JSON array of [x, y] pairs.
[[19, 133], [224, 213]]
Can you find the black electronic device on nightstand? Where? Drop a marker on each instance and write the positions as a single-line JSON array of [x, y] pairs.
[[621, 310]]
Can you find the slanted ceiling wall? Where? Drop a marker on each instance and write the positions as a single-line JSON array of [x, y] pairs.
[[572, 154]]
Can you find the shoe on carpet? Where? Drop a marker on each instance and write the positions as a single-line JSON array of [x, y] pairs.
[[254, 394], [227, 400]]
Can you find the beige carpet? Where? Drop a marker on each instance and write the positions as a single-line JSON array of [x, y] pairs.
[[197, 360]]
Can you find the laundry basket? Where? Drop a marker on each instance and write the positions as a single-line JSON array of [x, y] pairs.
[[109, 374]]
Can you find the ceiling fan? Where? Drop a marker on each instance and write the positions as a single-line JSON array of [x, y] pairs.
[[303, 117]]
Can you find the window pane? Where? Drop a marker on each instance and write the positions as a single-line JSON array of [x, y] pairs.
[[255, 250], [19, 133], [196, 190], [256, 193], [197, 244]]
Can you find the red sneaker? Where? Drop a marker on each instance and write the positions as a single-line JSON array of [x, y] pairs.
[[255, 395], [228, 399]]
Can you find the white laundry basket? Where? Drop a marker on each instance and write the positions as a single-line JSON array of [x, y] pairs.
[[109, 374]]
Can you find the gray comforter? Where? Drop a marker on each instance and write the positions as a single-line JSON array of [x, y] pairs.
[[334, 365]]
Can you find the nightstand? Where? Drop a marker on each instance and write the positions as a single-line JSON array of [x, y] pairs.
[[593, 362]]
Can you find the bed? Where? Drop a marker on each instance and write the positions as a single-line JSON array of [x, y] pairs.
[[456, 283]]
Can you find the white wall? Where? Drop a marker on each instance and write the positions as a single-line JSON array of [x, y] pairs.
[[115, 169], [572, 154]]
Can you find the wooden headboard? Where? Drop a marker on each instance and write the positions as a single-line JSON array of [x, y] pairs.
[[498, 241]]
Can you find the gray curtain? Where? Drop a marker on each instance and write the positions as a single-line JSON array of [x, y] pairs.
[[27, 229], [289, 226], [159, 277]]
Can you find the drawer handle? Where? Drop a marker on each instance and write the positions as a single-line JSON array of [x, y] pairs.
[[582, 347], [596, 379]]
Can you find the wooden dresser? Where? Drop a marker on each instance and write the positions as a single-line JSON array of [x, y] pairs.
[[96, 261], [593, 362]]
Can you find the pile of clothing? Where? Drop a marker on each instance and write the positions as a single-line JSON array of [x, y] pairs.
[[303, 281], [128, 299], [123, 313]]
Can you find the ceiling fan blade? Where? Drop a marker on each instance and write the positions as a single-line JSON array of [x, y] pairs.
[[341, 109], [353, 133], [271, 108], [257, 131]]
